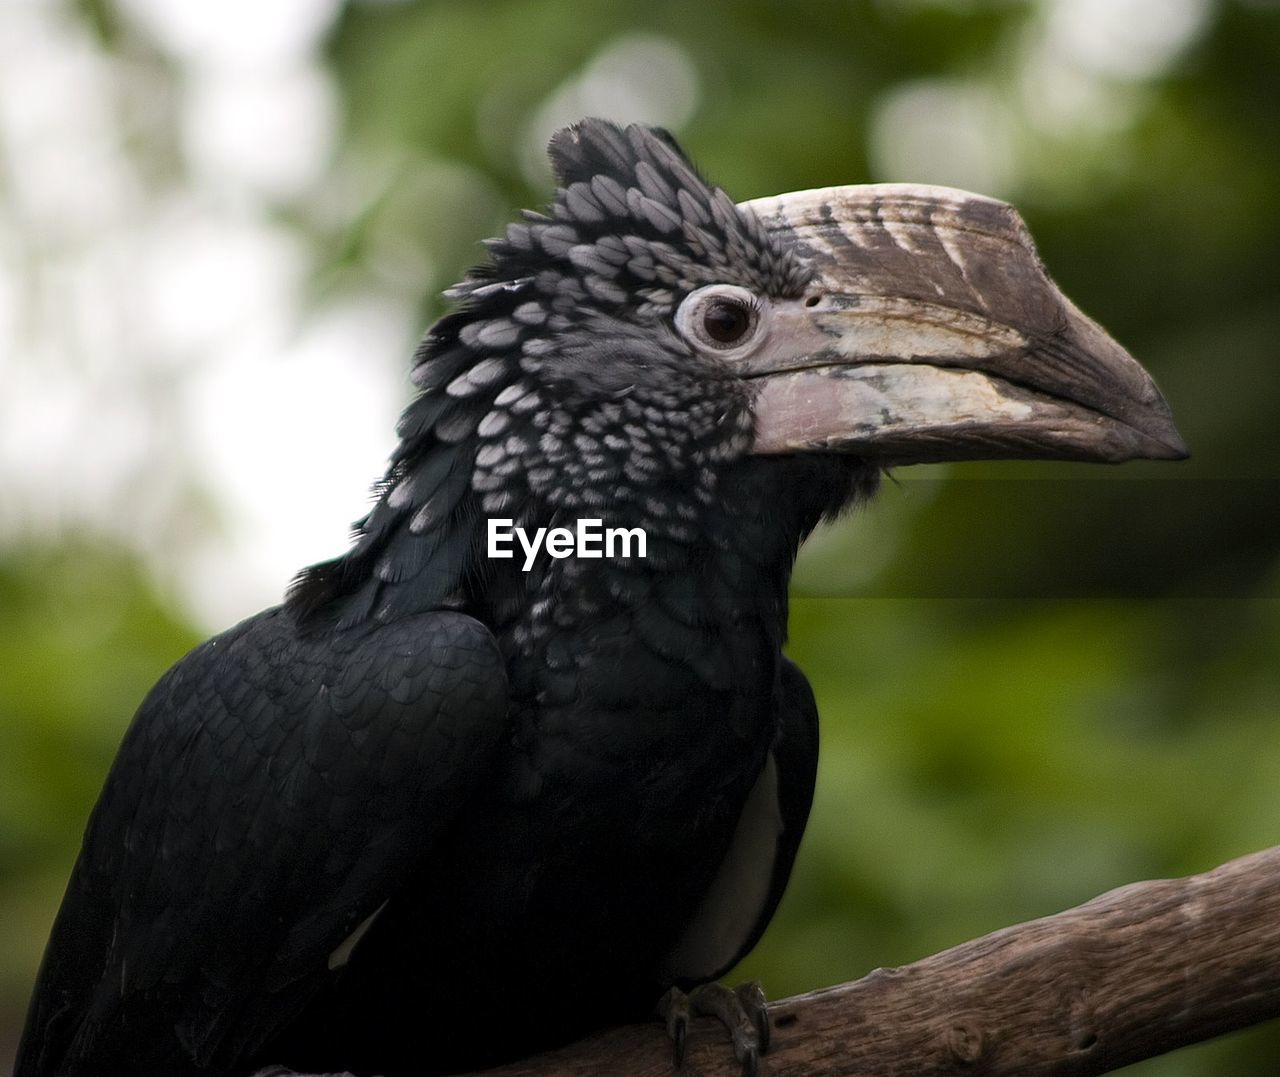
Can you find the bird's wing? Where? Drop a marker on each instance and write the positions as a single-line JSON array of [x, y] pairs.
[[753, 875], [796, 756], [270, 794]]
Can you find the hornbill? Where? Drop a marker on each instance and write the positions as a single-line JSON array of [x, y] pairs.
[[436, 811]]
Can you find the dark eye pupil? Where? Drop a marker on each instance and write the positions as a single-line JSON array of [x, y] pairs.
[[725, 321]]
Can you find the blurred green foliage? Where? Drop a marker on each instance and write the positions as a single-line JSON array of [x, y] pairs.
[[83, 636], [1037, 683]]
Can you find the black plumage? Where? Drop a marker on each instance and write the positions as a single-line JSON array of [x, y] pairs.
[[436, 810]]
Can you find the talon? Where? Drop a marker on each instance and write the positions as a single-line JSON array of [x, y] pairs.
[[756, 1006], [677, 1040], [674, 1009], [743, 1011]]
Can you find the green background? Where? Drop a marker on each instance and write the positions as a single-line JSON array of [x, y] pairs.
[[1037, 682]]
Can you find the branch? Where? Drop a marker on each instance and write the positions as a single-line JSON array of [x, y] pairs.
[[1134, 973]]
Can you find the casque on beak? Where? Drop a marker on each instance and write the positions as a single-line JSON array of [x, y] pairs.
[[931, 332]]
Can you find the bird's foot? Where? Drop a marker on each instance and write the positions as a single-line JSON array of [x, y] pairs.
[[743, 1011]]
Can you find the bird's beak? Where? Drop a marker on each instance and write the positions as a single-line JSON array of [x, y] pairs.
[[932, 332]]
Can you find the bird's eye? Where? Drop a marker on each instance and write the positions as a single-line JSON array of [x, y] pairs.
[[725, 320], [720, 318]]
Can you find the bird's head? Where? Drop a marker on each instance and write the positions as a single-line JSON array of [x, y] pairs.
[[646, 333], [898, 322]]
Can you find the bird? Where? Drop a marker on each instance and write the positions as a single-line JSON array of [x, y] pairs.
[[443, 806]]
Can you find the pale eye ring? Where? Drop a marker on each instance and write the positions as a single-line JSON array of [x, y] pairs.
[[721, 319]]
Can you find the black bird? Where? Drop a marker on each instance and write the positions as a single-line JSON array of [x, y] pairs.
[[436, 811]]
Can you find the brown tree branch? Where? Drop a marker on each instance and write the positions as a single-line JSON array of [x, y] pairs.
[[1132, 974]]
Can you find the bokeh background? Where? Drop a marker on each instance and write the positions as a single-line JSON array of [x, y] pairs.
[[223, 227]]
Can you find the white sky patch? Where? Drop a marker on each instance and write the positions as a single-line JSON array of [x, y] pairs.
[[1078, 75], [946, 131], [299, 431], [639, 78], [156, 340], [211, 281], [272, 129], [1127, 39], [1061, 98], [9, 294], [61, 173], [1084, 63], [235, 32]]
